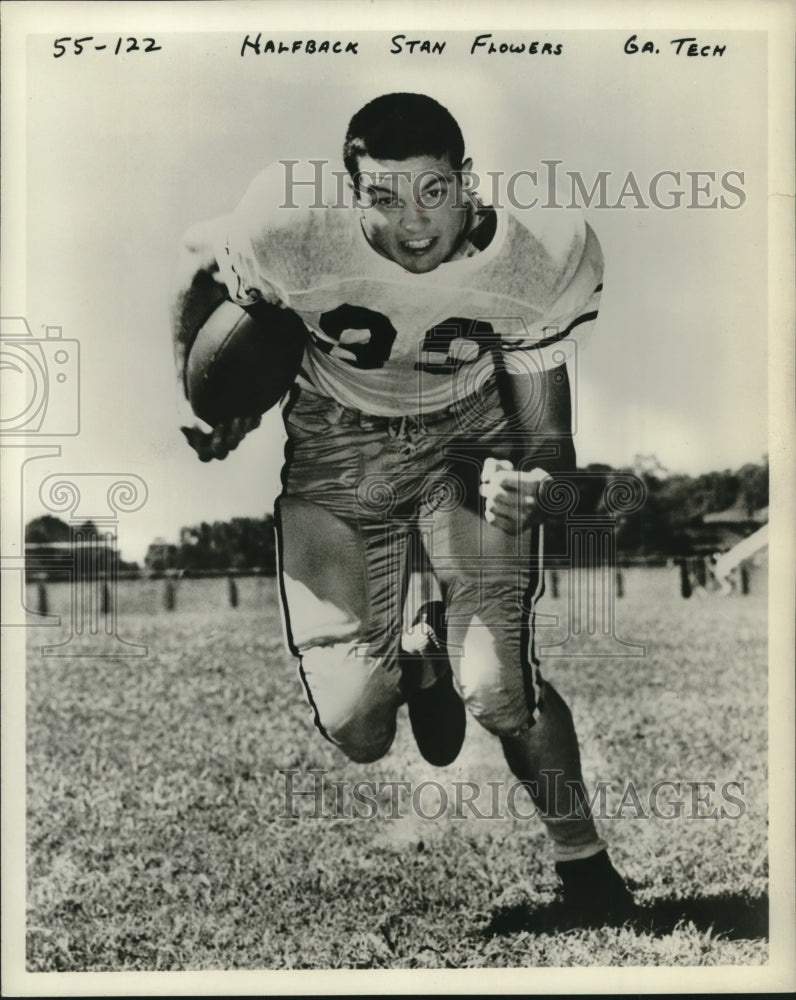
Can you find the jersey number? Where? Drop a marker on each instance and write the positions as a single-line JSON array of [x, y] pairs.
[[364, 338], [455, 342]]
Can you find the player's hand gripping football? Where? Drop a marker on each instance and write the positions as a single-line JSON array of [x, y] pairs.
[[512, 497], [222, 439]]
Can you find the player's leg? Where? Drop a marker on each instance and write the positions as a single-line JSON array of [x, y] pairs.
[[547, 757], [339, 574], [352, 684], [490, 618], [436, 711], [491, 582]]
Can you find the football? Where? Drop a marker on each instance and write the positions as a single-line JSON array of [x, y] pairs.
[[243, 361]]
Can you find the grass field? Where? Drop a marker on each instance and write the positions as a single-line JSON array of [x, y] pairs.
[[155, 808]]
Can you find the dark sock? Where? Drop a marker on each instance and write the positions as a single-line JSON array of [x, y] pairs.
[[596, 867]]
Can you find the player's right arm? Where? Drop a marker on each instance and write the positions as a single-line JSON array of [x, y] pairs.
[[222, 259], [199, 290], [218, 260]]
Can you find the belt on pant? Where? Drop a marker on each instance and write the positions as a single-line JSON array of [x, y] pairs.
[[397, 424], [348, 416]]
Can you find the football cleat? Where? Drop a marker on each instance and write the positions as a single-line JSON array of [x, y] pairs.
[[595, 894], [436, 712]]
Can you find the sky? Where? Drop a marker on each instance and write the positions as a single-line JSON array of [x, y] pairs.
[[123, 153]]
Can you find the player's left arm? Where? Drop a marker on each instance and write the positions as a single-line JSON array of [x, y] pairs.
[[538, 406], [536, 395]]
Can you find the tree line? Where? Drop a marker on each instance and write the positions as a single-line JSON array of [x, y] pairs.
[[668, 525], [243, 544]]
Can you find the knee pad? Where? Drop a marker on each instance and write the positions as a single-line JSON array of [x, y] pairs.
[[362, 740], [355, 699], [499, 712]]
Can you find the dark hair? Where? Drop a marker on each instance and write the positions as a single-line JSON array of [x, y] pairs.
[[399, 126]]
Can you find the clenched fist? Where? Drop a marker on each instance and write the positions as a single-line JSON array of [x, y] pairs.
[[512, 497]]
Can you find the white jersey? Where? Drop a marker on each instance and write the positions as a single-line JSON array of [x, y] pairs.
[[390, 342]]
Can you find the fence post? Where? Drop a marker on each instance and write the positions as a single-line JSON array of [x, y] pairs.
[[685, 582], [43, 605]]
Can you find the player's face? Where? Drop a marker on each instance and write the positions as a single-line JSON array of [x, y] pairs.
[[413, 211]]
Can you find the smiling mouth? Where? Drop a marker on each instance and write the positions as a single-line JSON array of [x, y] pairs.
[[419, 246]]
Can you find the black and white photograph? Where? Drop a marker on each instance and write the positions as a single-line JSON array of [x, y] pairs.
[[397, 498]]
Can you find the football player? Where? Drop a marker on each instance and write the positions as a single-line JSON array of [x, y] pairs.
[[429, 421]]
